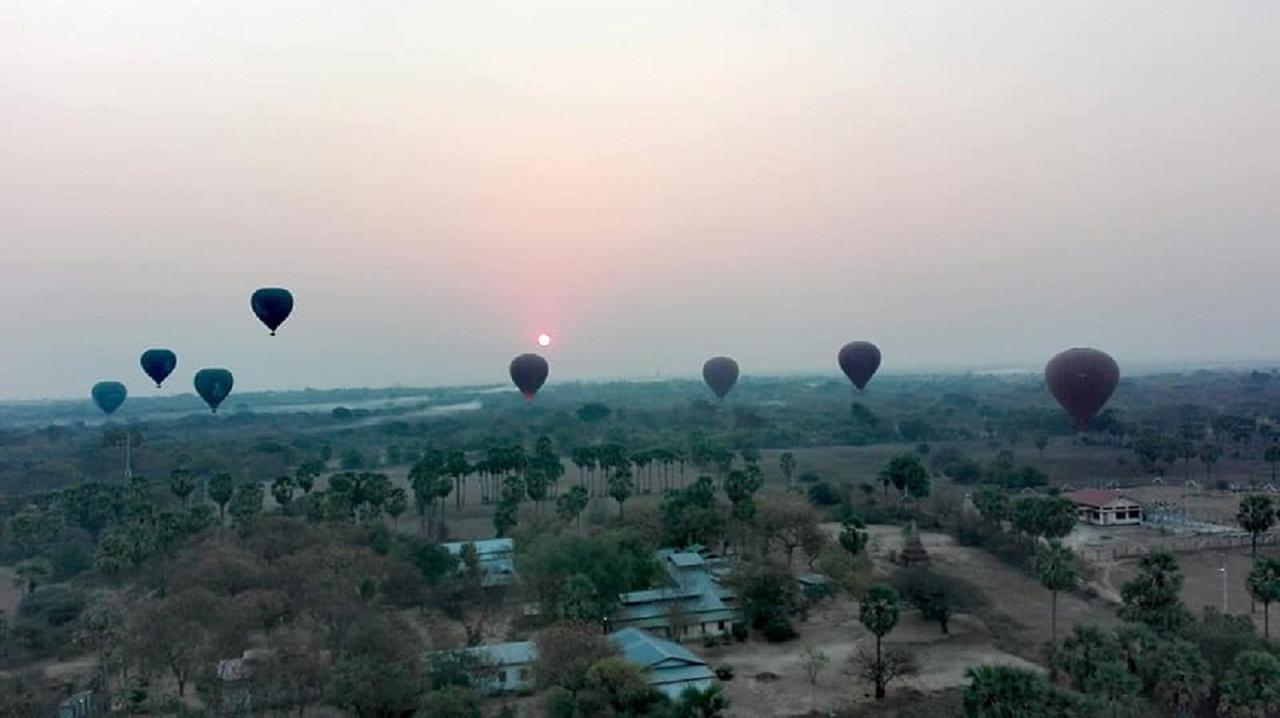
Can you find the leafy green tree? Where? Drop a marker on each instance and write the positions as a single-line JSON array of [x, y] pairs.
[[571, 504], [707, 703], [621, 485], [1209, 454], [992, 503], [397, 503], [787, 464], [566, 652], [690, 516], [1182, 677], [282, 491], [1152, 597], [182, 483], [1043, 516], [1008, 692], [1264, 587], [246, 504], [221, 486], [878, 611], [1003, 692], [1252, 687], [450, 702], [1257, 514], [307, 473], [1055, 568], [1272, 456], [1114, 685], [907, 474], [853, 536]]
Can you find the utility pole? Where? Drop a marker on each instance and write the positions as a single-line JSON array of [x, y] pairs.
[[1225, 608]]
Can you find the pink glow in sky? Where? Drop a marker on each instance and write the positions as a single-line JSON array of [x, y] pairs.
[[438, 182]]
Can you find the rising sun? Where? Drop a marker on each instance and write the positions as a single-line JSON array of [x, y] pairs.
[[544, 340]]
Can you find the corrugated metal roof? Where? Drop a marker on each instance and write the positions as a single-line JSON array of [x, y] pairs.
[[484, 547], [1096, 498], [506, 654]]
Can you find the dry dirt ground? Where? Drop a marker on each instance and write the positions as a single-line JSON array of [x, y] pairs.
[[1010, 630]]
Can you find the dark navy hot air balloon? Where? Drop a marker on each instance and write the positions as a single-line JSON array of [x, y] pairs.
[[109, 395], [529, 372], [1082, 380], [214, 385], [272, 305], [159, 364], [859, 361], [720, 373]]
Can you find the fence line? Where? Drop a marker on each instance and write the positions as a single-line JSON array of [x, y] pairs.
[[1187, 544]]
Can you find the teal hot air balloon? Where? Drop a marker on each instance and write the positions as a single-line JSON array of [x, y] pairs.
[[272, 305], [214, 386], [159, 364], [109, 395]]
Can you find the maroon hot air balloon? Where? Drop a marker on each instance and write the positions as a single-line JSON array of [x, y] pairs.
[[859, 361], [1082, 380], [720, 373], [529, 372]]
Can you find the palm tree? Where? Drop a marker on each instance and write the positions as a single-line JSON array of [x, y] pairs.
[[878, 611], [1272, 456], [1264, 587], [1209, 454], [1256, 515], [787, 463], [457, 467], [1055, 567]]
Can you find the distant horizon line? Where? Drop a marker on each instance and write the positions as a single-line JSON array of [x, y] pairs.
[[1149, 368]]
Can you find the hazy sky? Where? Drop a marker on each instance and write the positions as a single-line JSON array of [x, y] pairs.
[[966, 184]]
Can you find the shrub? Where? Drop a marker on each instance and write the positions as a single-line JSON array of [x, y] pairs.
[[740, 632], [778, 629], [824, 494], [724, 672]]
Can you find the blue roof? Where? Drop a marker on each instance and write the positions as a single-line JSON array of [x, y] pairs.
[[648, 651], [506, 654], [667, 666], [484, 547], [686, 559]]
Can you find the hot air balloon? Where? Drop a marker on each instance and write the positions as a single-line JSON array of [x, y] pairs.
[[720, 373], [272, 305], [859, 361], [529, 372], [214, 385], [109, 395], [159, 364], [1082, 380]]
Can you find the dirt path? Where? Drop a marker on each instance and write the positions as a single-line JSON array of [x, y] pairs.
[[770, 679], [1018, 606]]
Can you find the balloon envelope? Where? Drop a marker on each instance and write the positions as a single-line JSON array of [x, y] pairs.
[[529, 372], [859, 361], [214, 385], [159, 364], [1082, 380], [720, 373], [272, 305], [109, 395]]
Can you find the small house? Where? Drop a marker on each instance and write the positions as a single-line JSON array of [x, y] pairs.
[[1105, 507], [504, 667], [696, 604], [667, 666], [496, 558]]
